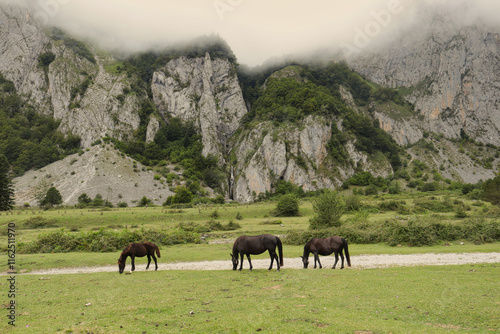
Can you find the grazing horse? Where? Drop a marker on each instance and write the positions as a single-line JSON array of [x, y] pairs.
[[326, 246], [246, 245], [138, 249]]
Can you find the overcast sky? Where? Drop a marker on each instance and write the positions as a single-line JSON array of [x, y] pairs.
[[256, 30]]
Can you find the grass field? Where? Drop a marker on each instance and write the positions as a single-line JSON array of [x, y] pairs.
[[394, 300], [423, 299]]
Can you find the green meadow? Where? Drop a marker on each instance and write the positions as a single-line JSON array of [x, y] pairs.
[[425, 299], [444, 299]]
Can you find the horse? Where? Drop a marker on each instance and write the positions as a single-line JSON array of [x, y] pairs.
[[326, 246], [138, 249], [246, 245]]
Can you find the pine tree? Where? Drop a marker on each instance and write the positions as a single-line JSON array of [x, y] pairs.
[[53, 197], [6, 189], [491, 190]]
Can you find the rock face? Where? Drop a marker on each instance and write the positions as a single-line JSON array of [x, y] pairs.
[[205, 92], [78, 92], [295, 154], [452, 75]]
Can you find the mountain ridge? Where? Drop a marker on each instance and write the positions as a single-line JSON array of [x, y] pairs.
[[307, 141]]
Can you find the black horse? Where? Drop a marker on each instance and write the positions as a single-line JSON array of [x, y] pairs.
[[246, 245], [326, 246], [138, 249]]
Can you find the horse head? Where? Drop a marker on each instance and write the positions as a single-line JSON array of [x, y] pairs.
[[305, 261], [235, 261], [121, 265]]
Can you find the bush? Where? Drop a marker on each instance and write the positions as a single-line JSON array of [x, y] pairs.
[[415, 232], [145, 202], [361, 179], [491, 191], [103, 240], [352, 203], [219, 199], [288, 206], [39, 223], [328, 208], [391, 205], [394, 188], [430, 186], [460, 213]]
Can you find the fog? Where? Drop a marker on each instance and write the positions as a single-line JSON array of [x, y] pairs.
[[256, 30]]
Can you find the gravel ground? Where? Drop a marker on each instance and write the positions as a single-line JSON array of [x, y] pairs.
[[358, 262]]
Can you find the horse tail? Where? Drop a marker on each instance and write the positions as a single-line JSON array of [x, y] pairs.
[[157, 251], [280, 250], [344, 242]]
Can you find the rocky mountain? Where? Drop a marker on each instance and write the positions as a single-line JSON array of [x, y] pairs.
[[450, 72], [75, 88], [442, 86], [205, 92]]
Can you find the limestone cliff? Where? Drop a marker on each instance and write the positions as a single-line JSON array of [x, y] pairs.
[[204, 91], [297, 154], [74, 88], [451, 74]]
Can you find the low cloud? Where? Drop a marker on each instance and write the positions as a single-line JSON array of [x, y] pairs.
[[256, 30]]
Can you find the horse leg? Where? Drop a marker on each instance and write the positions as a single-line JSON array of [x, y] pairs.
[[274, 256], [241, 262], [336, 259], [149, 261], [132, 258], [342, 258], [156, 264], [249, 261], [277, 261], [316, 258]]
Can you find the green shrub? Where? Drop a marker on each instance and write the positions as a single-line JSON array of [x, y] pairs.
[[371, 190], [361, 179], [391, 205], [103, 240], [38, 223], [415, 232], [328, 209], [145, 202], [271, 222], [435, 205], [394, 188], [288, 206], [219, 199], [352, 203]]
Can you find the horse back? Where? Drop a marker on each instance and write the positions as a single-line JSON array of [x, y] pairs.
[[257, 244], [325, 246]]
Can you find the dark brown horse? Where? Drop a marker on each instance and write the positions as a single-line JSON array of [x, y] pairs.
[[246, 245], [138, 249], [326, 246]]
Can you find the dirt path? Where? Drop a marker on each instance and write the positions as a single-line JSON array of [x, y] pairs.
[[358, 262]]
